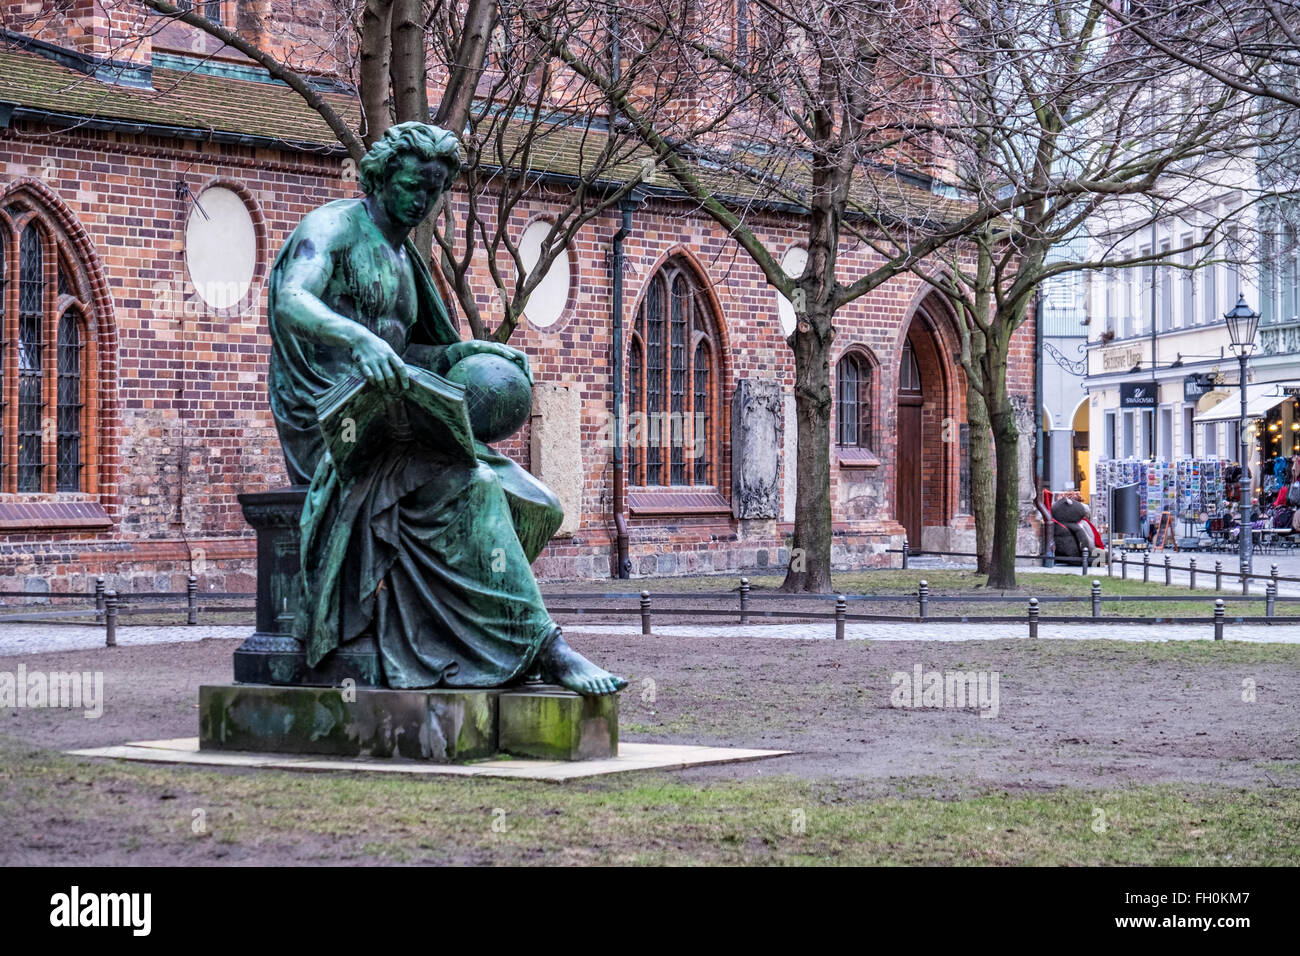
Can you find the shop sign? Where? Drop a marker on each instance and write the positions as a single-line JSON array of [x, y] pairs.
[[1120, 360], [1137, 394], [1198, 385]]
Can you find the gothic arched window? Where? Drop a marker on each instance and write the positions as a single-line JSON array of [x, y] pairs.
[[43, 316], [853, 401], [672, 385]]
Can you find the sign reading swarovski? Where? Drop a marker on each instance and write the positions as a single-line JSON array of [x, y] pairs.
[[1137, 395]]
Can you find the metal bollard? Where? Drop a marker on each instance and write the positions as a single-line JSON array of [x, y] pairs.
[[1270, 599], [1146, 567], [1123, 565], [905, 554], [1033, 617], [110, 619], [1245, 581], [1218, 575], [1169, 571], [1218, 619], [645, 613], [841, 608], [1085, 560], [1191, 575], [744, 600], [192, 600], [99, 599], [923, 598], [1096, 598], [1110, 562], [1272, 573]]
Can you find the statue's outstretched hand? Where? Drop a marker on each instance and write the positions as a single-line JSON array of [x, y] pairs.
[[379, 364], [462, 350]]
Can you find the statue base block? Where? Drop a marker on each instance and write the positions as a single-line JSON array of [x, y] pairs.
[[557, 724], [442, 726]]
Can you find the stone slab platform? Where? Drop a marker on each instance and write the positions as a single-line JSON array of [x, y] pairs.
[[630, 757], [445, 726]]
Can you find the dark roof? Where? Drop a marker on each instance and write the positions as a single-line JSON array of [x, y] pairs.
[[187, 100], [204, 105]]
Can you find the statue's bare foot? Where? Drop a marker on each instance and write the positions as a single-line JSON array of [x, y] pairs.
[[561, 664]]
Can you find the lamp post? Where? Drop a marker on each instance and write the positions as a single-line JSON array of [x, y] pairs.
[[1242, 321]]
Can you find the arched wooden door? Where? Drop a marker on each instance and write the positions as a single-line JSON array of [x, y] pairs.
[[909, 476]]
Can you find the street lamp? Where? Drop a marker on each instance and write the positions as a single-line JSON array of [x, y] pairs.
[[1242, 322]]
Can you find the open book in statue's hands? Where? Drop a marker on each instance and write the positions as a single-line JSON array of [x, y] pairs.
[[360, 421]]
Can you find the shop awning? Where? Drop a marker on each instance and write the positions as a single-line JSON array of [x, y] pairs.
[[1260, 400]]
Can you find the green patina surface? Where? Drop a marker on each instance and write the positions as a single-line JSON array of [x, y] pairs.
[[440, 725], [413, 529], [558, 726]]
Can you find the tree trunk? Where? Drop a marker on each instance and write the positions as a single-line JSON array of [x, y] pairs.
[[471, 53], [376, 54], [411, 93], [809, 569], [980, 461], [1006, 444]]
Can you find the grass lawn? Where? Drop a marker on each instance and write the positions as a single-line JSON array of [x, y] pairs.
[[639, 818], [956, 583]]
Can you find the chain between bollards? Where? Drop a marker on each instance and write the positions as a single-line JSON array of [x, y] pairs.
[[1096, 597], [923, 599], [1033, 617], [1270, 598], [744, 600], [110, 619], [192, 600], [841, 608], [645, 613], [1218, 619]]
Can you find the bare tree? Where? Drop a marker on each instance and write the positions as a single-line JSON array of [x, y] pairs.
[[1049, 106], [813, 108], [519, 131]]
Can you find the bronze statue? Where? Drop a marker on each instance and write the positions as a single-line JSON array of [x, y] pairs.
[[414, 530]]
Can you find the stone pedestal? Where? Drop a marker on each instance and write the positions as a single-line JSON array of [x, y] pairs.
[[443, 726], [272, 655], [556, 724]]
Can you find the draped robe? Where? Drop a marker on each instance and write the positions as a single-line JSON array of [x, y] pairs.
[[430, 555]]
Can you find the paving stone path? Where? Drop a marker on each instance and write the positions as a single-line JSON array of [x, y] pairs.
[[24, 639]]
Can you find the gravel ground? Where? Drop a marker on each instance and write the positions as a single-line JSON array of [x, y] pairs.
[[1086, 713]]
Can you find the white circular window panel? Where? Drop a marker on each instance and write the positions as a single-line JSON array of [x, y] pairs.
[[793, 263], [220, 247], [546, 304]]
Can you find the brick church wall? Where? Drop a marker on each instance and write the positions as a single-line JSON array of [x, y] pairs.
[[191, 428]]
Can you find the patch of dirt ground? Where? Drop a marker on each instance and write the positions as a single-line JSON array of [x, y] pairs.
[[1091, 715], [1068, 713]]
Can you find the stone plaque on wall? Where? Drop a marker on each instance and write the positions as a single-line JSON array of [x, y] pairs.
[[555, 449], [756, 432]]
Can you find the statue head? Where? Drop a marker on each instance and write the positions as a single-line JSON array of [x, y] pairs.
[[408, 168]]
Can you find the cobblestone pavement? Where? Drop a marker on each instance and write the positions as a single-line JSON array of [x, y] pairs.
[[43, 638], [24, 639]]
